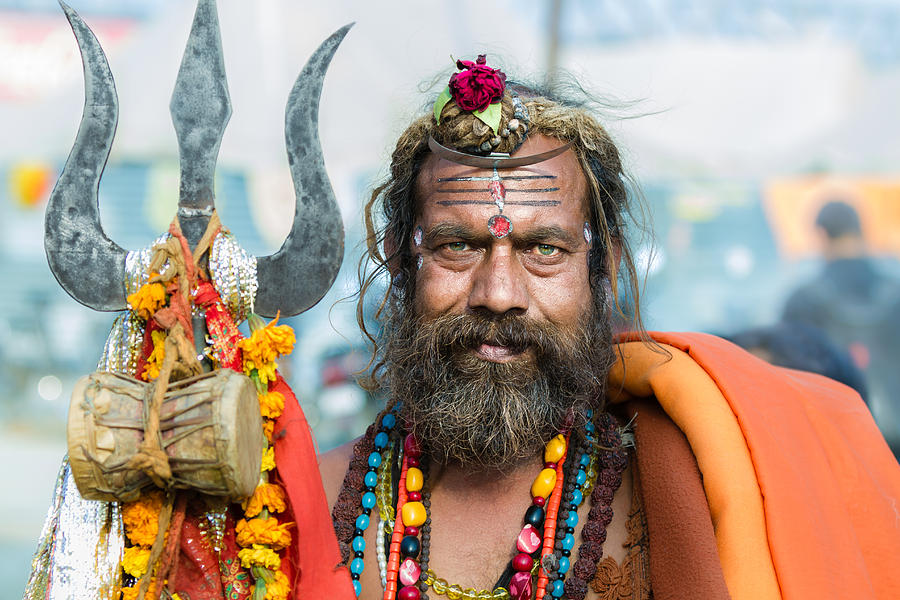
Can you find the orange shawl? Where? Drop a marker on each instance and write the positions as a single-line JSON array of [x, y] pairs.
[[803, 492]]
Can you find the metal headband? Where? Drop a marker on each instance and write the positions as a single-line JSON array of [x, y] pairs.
[[493, 161], [91, 267]]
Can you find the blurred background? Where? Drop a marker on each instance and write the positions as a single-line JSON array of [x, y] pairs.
[[751, 115]]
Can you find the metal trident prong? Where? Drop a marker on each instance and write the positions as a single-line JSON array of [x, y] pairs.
[[91, 267]]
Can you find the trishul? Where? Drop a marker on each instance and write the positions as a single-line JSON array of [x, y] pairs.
[[91, 267]]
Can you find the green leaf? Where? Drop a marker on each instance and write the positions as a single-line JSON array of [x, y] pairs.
[[490, 116], [440, 103]]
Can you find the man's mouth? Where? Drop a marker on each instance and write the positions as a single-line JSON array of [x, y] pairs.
[[498, 353]]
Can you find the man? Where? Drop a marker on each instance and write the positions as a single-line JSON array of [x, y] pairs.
[[858, 307], [719, 475]]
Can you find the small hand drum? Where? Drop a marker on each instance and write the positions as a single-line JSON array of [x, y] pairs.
[[210, 429]]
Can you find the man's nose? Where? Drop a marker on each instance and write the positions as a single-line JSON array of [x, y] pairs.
[[499, 285]]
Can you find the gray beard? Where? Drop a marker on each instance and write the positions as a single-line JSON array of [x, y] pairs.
[[487, 415]]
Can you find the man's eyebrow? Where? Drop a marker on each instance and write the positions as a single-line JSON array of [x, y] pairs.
[[488, 178], [451, 230], [544, 234]]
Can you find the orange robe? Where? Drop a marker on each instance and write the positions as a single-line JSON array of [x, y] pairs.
[[803, 491]]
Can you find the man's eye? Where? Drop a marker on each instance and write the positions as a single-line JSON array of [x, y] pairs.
[[547, 249], [457, 246]]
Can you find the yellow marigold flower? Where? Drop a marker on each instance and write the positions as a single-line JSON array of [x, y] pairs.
[[271, 405], [269, 495], [130, 593], [135, 559], [157, 355], [269, 429], [266, 372], [141, 518], [268, 459], [149, 299], [281, 338], [278, 588], [259, 556], [268, 532]]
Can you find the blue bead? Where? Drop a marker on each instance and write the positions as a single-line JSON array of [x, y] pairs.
[[589, 413], [590, 427], [388, 421], [577, 497], [580, 478], [362, 522], [358, 544], [357, 565], [563, 564], [371, 479], [558, 588], [381, 440], [572, 519], [585, 460], [568, 542], [357, 587], [375, 460], [368, 500]]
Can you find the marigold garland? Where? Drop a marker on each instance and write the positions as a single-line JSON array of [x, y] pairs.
[[263, 531], [141, 518], [148, 299], [157, 355], [135, 559], [271, 405], [259, 556], [278, 588], [268, 459], [130, 592]]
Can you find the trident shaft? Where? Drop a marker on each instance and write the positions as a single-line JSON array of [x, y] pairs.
[[91, 267]]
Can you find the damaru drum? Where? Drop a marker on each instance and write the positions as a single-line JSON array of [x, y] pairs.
[[210, 429]]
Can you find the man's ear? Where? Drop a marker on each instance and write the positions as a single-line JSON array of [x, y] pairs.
[[391, 257]]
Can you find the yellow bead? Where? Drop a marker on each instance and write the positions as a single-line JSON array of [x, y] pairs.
[[439, 586], [413, 514], [542, 486], [454, 592], [555, 449], [414, 479], [470, 594]]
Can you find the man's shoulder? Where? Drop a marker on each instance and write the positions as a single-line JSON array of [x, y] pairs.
[[332, 467]]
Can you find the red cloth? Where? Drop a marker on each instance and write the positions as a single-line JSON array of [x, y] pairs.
[[313, 561]]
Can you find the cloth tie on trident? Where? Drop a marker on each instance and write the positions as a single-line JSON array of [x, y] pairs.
[[94, 270]]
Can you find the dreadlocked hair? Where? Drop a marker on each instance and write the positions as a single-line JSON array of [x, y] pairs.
[[392, 209]]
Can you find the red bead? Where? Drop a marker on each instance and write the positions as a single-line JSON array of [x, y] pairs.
[[412, 461], [549, 465], [408, 592], [411, 447], [410, 530], [522, 562], [539, 501], [414, 496]]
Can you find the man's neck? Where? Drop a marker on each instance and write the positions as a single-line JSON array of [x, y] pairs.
[[464, 479]]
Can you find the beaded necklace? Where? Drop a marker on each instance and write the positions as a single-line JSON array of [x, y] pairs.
[[406, 567]]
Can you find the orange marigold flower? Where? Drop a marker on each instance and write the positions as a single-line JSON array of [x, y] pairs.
[[267, 532], [271, 405], [269, 429], [267, 341], [148, 299], [259, 556], [281, 338], [141, 518], [269, 495], [268, 459], [278, 588]]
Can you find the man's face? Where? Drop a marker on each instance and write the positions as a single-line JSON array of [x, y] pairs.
[[539, 270], [502, 341]]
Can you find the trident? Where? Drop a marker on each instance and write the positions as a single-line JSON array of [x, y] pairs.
[[91, 267]]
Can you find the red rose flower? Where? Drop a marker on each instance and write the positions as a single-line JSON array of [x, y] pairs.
[[476, 85]]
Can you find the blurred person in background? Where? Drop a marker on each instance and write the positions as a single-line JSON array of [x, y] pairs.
[[858, 307], [804, 348]]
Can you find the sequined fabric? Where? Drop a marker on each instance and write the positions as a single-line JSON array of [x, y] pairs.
[[233, 273], [80, 547]]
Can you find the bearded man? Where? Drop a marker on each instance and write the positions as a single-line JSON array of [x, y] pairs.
[[523, 452]]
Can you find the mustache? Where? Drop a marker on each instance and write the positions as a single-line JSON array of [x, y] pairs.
[[463, 332]]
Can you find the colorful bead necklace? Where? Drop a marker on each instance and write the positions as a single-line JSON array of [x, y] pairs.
[[404, 571]]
